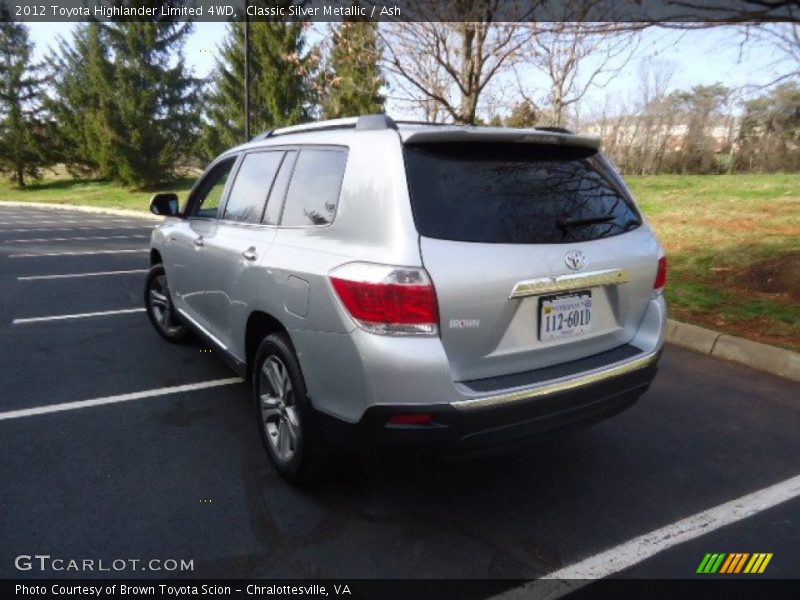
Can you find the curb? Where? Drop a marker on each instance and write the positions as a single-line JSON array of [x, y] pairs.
[[122, 212], [763, 357]]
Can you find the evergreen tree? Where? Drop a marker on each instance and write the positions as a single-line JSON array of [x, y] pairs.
[[280, 87], [147, 114], [23, 129], [770, 131], [523, 114], [80, 88], [100, 139], [353, 80]]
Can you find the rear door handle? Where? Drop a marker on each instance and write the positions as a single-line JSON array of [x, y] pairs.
[[199, 241], [250, 253]]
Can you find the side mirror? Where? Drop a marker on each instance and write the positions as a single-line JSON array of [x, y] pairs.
[[165, 205]]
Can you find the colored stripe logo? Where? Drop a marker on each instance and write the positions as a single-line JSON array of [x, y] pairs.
[[734, 563]]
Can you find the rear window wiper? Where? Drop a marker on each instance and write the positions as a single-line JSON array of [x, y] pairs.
[[630, 224], [570, 223]]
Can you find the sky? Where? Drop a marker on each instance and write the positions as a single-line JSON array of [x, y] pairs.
[[700, 57]]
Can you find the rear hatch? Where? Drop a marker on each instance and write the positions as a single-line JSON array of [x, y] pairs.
[[536, 249]]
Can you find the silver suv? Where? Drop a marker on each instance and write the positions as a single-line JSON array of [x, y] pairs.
[[408, 285]]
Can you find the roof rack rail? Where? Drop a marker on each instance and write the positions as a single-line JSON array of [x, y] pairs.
[[407, 122], [378, 121], [555, 129], [362, 123]]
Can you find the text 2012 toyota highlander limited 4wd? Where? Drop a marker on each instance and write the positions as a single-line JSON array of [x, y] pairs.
[[402, 284]]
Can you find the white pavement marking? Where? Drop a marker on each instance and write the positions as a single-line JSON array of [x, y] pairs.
[[81, 253], [616, 559], [82, 238], [76, 316], [70, 275], [77, 209], [89, 228], [177, 389], [59, 222], [37, 222]]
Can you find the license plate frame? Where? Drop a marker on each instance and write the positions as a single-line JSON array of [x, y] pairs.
[[559, 304]]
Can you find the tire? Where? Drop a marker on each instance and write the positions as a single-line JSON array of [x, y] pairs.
[[160, 310], [285, 416]]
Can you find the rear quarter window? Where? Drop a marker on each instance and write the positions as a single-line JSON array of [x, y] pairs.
[[313, 194], [515, 193]]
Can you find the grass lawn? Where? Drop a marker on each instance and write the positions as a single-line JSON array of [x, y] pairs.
[[64, 190], [733, 243]]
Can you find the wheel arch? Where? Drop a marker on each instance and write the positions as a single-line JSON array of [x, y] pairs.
[[259, 325]]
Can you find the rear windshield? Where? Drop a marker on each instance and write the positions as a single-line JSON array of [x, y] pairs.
[[513, 193]]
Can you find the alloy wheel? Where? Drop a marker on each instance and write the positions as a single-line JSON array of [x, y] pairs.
[[278, 409], [161, 306]]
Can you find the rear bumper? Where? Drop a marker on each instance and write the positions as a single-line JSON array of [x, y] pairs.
[[496, 422], [348, 374]]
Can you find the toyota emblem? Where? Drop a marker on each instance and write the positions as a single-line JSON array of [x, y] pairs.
[[575, 260]]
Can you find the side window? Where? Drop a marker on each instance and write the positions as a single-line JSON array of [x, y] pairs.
[[206, 200], [252, 185], [314, 191]]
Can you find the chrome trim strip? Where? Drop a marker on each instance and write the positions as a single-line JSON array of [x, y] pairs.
[[205, 331], [559, 385], [565, 283]]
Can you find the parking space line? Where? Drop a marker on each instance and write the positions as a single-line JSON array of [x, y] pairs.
[[86, 228], [71, 275], [165, 391], [630, 553], [76, 316], [61, 222], [80, 253], [83, 238]]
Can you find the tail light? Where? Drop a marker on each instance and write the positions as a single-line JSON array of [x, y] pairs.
[[661, 275], [388, 300]]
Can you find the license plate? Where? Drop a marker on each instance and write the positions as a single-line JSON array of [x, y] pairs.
[[565, 315]]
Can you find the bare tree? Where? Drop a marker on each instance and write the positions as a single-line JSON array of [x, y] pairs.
[[576, 57], [735, 11], [637, 130], [771, 23], [783, 39], [445, 68]]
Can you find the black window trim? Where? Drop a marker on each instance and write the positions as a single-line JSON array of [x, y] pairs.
[[295, 150]]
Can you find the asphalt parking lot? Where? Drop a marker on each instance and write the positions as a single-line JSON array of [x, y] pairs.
[[182, 475]]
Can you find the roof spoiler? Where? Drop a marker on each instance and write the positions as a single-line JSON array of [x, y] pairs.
[[524, 136]]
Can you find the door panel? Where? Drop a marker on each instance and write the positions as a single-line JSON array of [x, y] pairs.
[[197, 249], [233, 277], [186, 241], [230, 278]]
